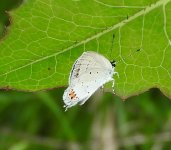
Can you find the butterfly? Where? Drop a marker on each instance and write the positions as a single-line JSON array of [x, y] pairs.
[[89, 72]]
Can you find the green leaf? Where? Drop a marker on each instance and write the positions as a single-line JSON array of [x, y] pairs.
[[47, 36]]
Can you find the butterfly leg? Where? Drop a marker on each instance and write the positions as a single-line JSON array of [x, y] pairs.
[[102, 87], [66, 108], [113, 84], [116, 74]]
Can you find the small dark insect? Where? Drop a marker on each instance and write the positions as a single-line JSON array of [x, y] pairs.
[[113, 36], [138, 50]]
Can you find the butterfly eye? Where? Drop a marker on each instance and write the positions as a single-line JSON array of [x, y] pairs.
[[113, 63]]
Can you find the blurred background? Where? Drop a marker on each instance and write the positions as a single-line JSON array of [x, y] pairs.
[[37, 121]]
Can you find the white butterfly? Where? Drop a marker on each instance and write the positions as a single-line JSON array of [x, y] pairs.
[[89, 72]]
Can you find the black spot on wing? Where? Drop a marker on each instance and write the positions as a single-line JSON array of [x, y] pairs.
[[75, 71], [73, 67]]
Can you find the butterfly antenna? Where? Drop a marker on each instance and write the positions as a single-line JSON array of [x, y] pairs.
[[111, 49], [129, 55]]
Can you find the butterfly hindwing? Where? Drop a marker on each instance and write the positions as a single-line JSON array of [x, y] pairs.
[[86, 85]]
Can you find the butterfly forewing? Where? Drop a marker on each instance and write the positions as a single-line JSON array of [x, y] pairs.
[[86, 62]]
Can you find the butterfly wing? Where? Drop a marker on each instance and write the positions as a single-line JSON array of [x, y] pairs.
[[73, 95], [86, 85], [86, 62]]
